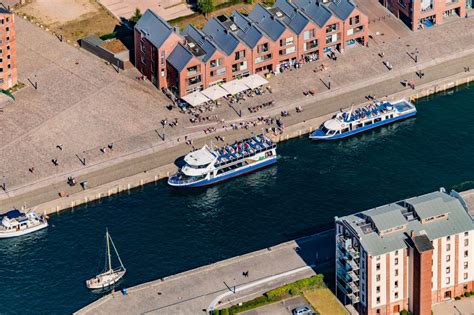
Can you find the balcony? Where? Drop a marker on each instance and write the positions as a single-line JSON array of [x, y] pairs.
[[353, 297], [193, 81], [427, 6]]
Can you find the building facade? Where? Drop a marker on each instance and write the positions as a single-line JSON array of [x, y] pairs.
[[8, 71], [419, 14], [229, 47], [406, 255]]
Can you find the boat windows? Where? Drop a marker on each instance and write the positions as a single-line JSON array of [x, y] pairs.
[[368, 123], [345, 130], [377, 119], [199, 166], [391, 116], [358, 125], [268, 153]]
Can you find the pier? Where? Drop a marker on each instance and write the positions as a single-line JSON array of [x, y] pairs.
[[222, 284]]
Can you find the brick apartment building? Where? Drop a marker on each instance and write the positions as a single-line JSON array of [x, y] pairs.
[[8, 73], [405, 255], [418, 14], [230, 47]]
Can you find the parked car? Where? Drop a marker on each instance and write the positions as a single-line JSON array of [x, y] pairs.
[[302, 310]]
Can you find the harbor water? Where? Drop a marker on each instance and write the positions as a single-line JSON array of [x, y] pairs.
[[160, 231]]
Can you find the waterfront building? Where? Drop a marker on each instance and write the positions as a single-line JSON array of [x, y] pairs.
[[230, 47], [419, 14], [8, 71], [405, 255]]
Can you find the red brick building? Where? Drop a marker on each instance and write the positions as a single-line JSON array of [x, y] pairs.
[[8, 72], [406, 255], [419, 14], [266, 40]]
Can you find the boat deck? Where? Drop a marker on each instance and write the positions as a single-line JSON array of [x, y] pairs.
[[245, 148]]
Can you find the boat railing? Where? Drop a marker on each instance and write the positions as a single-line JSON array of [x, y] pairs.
[[242, 155]]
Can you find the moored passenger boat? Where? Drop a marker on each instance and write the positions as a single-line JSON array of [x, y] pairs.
[[345, 124], [15, 223], [208, 166]]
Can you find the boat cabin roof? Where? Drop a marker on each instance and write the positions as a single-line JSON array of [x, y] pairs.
[[333, 124], [203, 156], [13, 214]]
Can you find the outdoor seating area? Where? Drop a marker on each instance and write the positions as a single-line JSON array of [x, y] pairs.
[[249, 86]]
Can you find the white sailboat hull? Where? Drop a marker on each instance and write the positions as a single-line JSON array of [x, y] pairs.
[[105, 280]]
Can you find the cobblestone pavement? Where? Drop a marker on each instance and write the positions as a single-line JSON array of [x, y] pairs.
[[465, 306], [84, 105]]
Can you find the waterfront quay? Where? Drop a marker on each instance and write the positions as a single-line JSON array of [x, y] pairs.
[[202, 289], [140, 155]]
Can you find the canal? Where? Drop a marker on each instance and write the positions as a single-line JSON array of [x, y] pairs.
[[160, 231]]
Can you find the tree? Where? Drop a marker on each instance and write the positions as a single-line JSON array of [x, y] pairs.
[[206, 6], [136, 16]]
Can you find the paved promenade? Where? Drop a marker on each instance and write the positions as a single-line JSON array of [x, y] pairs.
[[198, 290], [84, 105]]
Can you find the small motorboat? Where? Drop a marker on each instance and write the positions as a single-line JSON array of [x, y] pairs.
[[15, 223], [111, 275]]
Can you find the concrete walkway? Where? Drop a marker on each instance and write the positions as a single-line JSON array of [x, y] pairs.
[[197, 290]]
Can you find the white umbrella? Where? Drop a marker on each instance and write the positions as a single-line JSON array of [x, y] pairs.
[[195, 99], [254, 81], [215, 92], [234, 87]]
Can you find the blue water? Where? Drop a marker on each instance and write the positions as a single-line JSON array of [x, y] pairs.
[[161, 231]]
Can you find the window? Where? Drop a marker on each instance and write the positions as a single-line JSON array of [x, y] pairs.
[[216, 62], [377, 267], [162, 58], [7, 29], [396, 272], [466, 265], [8, 47], [465, 276], [9, 66], [396, 261], [448, 247], [466, 253], [396, 253], [448, 258], [377, 311], [331, 28], [448, 270], [448, 280], [240, 55], [466, 233], [377, 278], [8, 56], [377, 258], [466, 242], [286, 42], [396, 295], [354, 20], [377, 289], [308, 34], [396, 284], [142, 45], [378, 299], [262, 48], [448, 238]]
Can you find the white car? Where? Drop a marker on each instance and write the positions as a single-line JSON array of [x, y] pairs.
[[302, 310]]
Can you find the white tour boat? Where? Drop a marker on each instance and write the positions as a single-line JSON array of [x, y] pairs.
[[111, 275], [346, 124], [15, 223], [208, 166]]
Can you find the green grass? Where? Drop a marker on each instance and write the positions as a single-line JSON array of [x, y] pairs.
[[325, 302], [296, 288]]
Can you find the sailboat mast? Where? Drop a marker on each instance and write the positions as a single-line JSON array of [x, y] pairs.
[[108, 249]]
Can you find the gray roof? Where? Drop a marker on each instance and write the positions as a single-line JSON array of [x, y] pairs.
[[154, 28], [457, 221], [290, 15], [246, 29], [198, 43], [92, 40], [428, 206], [267, 22], [341, 8], [179, 57], [220, 35], [315, 10], [385, 217]]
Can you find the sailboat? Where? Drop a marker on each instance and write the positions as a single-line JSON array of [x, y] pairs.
[[111, 275]]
